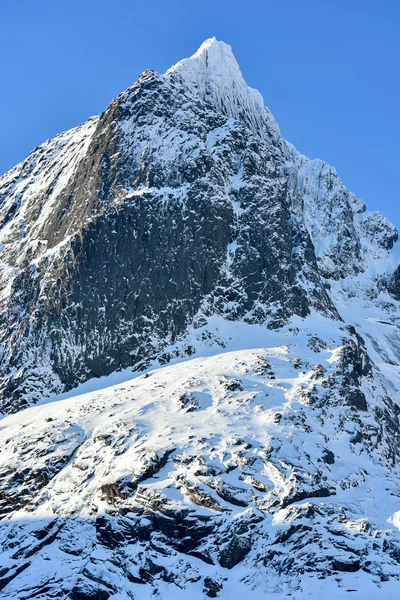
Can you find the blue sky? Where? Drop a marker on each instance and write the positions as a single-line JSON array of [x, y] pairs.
[[328, 70]]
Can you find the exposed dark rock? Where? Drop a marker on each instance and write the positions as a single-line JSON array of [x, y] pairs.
[[322, 492], [230, 496], [110, 492], [285, 535], [109, 532], [7, 575], [346, 566], [394, 284], [233, 385], [188, 402], [356, 398], [328, 457], [83, 592], [211, 587], [234, 552], [316, 344]]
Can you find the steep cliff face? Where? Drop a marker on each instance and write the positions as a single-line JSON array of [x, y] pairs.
[[180, 197], [177, 224], [117, 233], [394, 284]]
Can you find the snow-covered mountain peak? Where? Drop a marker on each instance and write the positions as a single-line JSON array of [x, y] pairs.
[[214, 46], [237, 310], [212, 56], [213, 74], [188, 165]]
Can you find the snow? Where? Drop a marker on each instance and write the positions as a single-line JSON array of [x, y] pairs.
[[340, 227], [248, 410], [34, 187], [213, 74], [142, 416]]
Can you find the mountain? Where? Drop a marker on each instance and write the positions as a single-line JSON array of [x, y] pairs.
[[199, 360]]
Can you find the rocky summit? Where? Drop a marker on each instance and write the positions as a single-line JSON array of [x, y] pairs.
[[199, 358]]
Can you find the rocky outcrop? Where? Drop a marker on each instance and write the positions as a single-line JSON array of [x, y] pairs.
[[394, 284]]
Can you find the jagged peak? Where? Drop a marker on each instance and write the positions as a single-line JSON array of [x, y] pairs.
[[214, 55], [213, 74], [213, 45]]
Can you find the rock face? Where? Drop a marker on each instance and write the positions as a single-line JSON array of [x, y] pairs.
[[180, 223], [181, 197], [394, 284]]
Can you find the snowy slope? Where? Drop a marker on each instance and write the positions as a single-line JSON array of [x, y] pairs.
[[29, 192], [252, 470], [208, 324]]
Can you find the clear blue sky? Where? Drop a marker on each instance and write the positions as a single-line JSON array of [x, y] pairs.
[[328, 70]]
